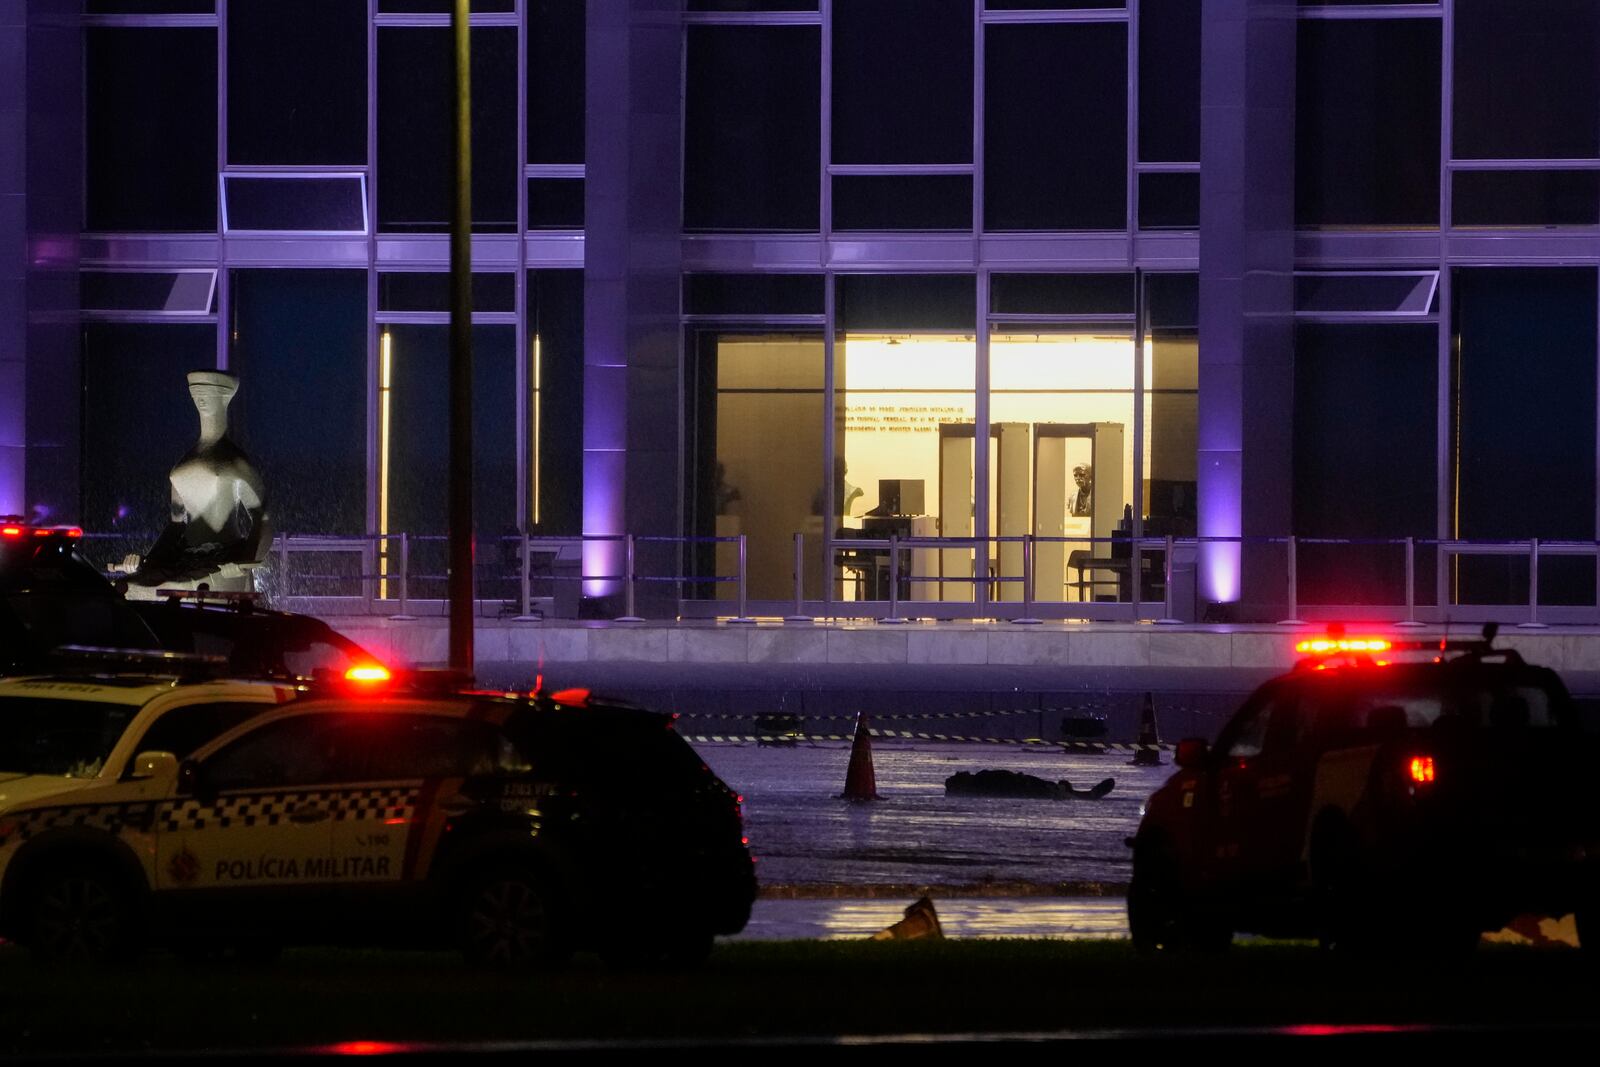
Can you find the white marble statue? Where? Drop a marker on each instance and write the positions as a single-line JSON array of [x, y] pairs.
[[218, 527]]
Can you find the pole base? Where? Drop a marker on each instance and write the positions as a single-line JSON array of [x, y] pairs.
[[1533, 626], [1169, 622], [627, 618], [799, 618], [741, 620], [1291, 622], [402, 618], [893, 620], [1027, 621], [1410, 624]]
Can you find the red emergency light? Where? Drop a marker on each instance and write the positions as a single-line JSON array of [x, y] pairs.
[[1329, 646]]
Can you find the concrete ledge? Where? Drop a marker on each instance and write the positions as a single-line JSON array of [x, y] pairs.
[[1062, 646]]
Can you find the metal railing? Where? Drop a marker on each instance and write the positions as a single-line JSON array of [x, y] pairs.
[[529, 577]]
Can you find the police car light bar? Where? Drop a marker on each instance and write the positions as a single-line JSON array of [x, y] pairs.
[[16, 531], [368, 674], [1327, 646]]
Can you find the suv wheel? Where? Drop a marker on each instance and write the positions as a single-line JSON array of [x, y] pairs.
[[506, 922], [80, 916], [1162, 915]]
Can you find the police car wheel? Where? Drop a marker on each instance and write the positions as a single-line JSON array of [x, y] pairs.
[[506, 923], [1162, 915], [80, 916]]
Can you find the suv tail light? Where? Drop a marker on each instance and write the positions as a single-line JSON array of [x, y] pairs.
[[1421, 770]]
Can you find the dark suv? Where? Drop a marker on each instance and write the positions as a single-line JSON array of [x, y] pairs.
[[50, 595], [1366, 800]]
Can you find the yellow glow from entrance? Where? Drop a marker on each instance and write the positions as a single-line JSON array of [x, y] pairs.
[[385, 371], [533, 419]]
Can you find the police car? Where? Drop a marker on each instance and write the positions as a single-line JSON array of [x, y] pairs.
[[240, 816], [1384, 795]]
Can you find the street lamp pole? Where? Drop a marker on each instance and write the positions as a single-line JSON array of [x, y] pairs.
[[461, 541]]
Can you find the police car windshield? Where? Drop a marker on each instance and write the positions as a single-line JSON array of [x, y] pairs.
[[69, 738]]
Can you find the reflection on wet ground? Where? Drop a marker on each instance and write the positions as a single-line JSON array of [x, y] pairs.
[[1069, 918], [803, 834]]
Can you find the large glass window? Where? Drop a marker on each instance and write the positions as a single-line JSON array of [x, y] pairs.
[[752, 128], [414, 370], [1169, 81], [902, 81], [555, 81], [1367, 138], [905, 373], [1526, 82], [1523, 400], [297, 81], [416, 125], [299, 347], [1365, 458], [135, 389], [151, 128], [555, 402], [746, 385], [1056, 127], [1171, 404]]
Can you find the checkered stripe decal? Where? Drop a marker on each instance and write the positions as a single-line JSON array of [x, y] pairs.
[[356, 805], [273, 809], [110, 818], [247, 810]]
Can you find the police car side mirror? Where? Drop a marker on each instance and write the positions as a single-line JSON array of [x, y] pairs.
[[158, 765], [1192, 752]]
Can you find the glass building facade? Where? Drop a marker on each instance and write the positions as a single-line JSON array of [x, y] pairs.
[[818, 272]]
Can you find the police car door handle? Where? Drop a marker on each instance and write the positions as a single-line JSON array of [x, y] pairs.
[[456, 806], [308, 813]]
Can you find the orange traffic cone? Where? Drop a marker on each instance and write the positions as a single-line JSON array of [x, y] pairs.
[[1148, 754], [860, 783]]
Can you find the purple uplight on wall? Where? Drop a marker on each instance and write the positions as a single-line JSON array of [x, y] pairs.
[[1220, 507], [602, 516]]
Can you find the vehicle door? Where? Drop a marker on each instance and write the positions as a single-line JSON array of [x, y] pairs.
[[1250, 779], [1275, 793], [257, 817], [410, 774]]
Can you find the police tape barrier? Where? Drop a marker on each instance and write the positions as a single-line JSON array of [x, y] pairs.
[[1092, 747], [922, 716]]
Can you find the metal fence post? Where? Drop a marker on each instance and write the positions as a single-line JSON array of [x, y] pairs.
[[1027, 618], [1533, 622], [527, 583], [1135, 577], [405, 578], [1294, 587], [743, 618], [1411, 585], [893, 618], [1166, 600], [283, 566], [628, 613], [799, 582]]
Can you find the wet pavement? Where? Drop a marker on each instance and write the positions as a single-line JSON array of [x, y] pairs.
[[1066, 918], [804, 835], [995, 867]]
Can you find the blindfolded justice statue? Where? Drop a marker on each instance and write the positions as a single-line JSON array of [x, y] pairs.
[[219, 528]]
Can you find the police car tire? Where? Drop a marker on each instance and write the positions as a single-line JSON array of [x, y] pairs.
[[80, 914], [507, 922], [1162, 915]]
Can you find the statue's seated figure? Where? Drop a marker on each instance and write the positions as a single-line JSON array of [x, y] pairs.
[[219, 527]]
